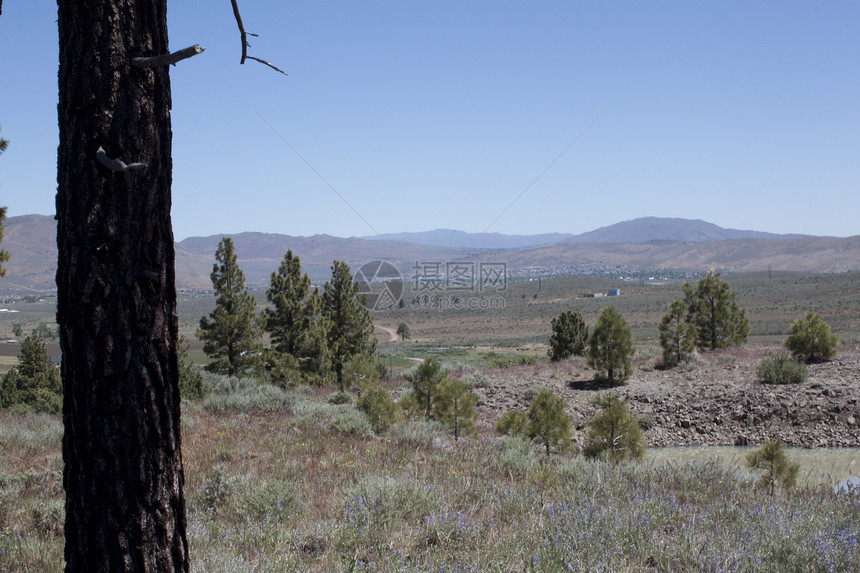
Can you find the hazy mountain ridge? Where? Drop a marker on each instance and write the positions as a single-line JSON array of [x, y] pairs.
[[462, 239], [648, 229], [641, 230], [31, 240], [804, 254]]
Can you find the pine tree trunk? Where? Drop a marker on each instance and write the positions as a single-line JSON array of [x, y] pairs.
[[123, 476]]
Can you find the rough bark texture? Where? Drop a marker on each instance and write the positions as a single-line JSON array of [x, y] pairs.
[[123, 476]]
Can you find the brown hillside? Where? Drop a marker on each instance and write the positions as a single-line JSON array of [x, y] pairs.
[[31, 241]]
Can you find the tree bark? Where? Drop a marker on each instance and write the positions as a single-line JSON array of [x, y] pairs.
[[123, 476]]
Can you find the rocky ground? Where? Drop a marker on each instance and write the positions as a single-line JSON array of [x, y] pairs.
[[716, 401]]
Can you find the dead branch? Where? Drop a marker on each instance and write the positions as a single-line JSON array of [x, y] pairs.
[[244, 38], [167, 59]]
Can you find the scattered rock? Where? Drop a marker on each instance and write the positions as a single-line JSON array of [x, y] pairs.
[[723, 403]]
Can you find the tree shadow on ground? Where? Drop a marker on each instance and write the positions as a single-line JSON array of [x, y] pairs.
[[594, 385]]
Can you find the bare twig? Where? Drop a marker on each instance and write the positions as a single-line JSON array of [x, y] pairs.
[[274, 67], [243, 35], [168, 59]]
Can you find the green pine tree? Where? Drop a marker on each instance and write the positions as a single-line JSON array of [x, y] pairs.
[[771, 460], [614, 432], [349, 324], [569, 336], [377, 405], [513, 423], [610, 348], [294, 324], [713, 308], [359, 369], [454, 406], [547, 422], [230, 333], [403, 331], [677, 334], [425, 380], [315, 356], [290, 319], [35, 383]]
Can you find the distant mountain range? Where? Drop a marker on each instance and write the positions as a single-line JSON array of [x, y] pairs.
[[647, 243], [642, 230]]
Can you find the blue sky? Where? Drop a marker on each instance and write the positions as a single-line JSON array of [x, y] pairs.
[[441, 114]]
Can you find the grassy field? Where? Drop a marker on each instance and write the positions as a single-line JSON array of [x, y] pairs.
[[772, 301], [301, 485], [284, 481]]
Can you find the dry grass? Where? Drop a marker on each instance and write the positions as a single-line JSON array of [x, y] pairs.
[[267, 493]]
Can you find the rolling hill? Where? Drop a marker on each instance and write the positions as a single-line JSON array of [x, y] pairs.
[[641, 230], [647, 243]]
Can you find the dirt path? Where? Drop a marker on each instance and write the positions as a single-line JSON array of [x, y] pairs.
[[392, 332]]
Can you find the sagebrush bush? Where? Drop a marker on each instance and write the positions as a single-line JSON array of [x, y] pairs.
[[516, 455], [31, 432], [385, 501], [476, 380], [425, 434], [348, 420], [275, 499], [340, 398], [223, 384], [811, 340], [781, 369], [47, 516], [231, 394], [533, 391], [217, 489], [509, 361], [342, 418]]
